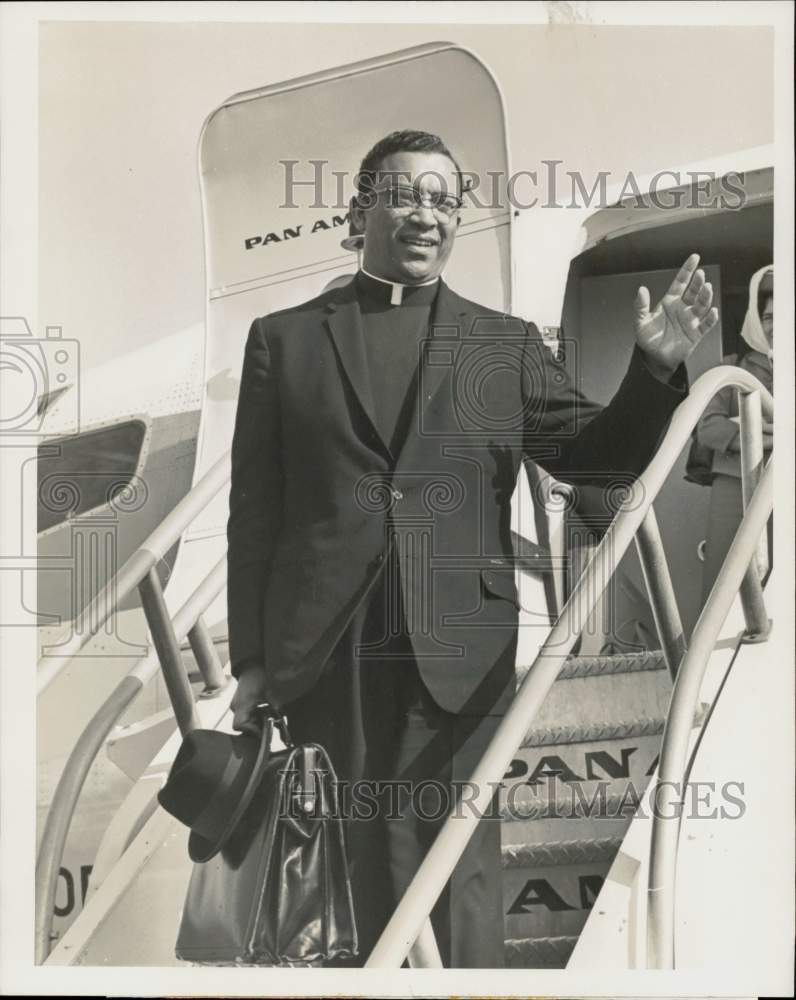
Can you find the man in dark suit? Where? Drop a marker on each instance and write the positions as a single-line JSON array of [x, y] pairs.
[[379, 433]]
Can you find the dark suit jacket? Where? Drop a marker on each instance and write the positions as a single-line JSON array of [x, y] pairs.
[[316, 494]]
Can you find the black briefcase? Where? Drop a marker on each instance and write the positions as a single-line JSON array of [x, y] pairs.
[[270, 885]]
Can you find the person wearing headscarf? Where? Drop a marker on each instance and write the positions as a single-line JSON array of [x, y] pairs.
[[719, 428]]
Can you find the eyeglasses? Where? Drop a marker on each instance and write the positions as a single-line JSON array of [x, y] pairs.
[[403, 198]]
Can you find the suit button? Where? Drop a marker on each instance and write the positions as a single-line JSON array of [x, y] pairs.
[[379, 559]]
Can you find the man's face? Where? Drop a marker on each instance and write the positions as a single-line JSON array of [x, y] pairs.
[[405, 242]]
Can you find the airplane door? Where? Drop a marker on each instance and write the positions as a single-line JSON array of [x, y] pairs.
[[269, 245]]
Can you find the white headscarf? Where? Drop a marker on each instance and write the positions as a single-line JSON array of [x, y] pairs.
[[752, 329]]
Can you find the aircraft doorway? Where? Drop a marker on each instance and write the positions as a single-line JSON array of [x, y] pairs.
[[597, 334]]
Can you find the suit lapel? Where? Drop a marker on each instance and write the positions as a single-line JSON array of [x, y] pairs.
[[344, 322], [450, 323]]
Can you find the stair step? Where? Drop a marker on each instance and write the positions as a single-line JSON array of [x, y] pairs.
[[620, 686], [601, 666], [580, 697], [568, 763], [561, 852], [593, 732], [551, 900], [566, 779], [554, 870], [539, 952], [549, 888], [618, 806]]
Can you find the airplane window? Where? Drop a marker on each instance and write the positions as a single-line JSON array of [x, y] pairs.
[[84, 471]]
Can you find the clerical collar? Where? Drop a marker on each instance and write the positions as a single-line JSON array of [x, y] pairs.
[[393, 292]]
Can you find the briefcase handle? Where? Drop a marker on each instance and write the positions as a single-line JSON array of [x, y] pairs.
[[310, 791], [267, 711], [305, 792]]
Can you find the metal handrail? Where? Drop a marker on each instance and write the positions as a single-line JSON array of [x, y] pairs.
[[145, 558], [669, 792], [750, 412], [139, 571], [409, 929], [92, 739], [412, 913], [660, 588]]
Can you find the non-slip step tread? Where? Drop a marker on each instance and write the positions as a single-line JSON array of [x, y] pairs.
[[561, 852], [539, 952], [595, 731], [592, 732], [598, 666]]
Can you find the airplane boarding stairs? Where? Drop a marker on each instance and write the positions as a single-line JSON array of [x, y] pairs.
[[568, 799], [593, 728], [731, 897]]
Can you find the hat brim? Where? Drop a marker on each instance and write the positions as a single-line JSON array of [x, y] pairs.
[[200, 849]]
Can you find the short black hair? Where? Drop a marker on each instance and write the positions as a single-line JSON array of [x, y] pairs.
[[404, 141]]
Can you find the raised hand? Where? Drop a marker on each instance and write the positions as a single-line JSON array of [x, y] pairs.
[[668, 333]]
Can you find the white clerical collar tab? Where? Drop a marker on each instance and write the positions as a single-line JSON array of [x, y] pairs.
[[396, 288]]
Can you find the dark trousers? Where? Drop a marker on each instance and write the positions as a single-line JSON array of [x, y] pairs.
[[404, 759]]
